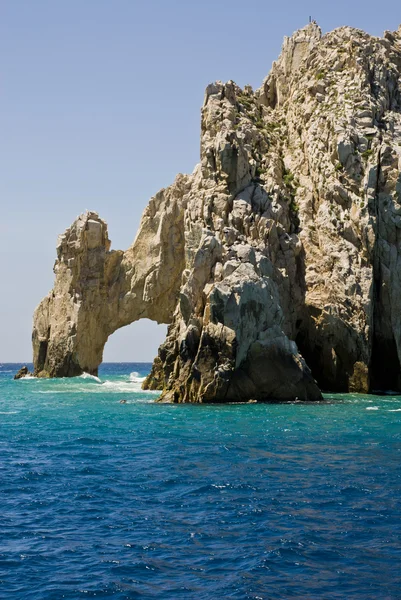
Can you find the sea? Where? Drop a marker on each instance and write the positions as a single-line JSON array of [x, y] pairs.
[[107, 499]]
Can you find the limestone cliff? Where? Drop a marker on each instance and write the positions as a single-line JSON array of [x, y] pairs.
[[278, 261]]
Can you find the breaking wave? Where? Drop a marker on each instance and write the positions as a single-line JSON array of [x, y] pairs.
[[127, 386], [89, 376], [136, 378]]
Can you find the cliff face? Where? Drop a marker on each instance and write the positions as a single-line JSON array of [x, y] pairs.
[[278, 261]]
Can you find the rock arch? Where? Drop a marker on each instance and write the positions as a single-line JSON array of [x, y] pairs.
[[98, 290]]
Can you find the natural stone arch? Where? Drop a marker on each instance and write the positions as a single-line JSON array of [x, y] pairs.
[[98, 290]]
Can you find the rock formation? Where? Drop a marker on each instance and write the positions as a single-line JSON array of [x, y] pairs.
[[23, 372], [278, 261]]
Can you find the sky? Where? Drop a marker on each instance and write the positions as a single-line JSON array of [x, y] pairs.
[[100, 108]]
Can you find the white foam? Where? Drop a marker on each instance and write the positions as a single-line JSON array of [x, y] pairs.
[[89, 376], [372, 408], [395, 410], [120, 387], [136, 378], [125, 386]]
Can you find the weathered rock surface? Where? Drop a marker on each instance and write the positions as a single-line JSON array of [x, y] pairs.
[[278, 261], [97, 291]]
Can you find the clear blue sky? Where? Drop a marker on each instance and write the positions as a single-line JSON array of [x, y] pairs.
[[100, 107]]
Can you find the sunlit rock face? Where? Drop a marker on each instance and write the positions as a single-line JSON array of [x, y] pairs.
[[277, 263]]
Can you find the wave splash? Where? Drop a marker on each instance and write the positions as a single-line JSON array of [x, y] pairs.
[[136, 378], [128, 385], [89, 376]]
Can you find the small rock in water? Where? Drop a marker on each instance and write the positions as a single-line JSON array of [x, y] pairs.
[[123, 401], [23, 372]]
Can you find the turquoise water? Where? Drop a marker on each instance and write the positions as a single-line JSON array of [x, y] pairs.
[[139, 500]]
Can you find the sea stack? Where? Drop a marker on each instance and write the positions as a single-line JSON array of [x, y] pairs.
[[277, 262]]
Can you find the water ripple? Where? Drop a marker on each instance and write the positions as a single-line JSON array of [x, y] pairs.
[[103, 500]]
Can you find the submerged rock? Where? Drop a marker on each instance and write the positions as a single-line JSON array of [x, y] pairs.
[[276, 263]]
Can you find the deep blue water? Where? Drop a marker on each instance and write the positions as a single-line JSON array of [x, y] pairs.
[[140, 500]]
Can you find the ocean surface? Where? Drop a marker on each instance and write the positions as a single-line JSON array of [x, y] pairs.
[[141, 500]]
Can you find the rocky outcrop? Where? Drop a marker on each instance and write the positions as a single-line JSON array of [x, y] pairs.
[[22, 372], [97, 291], [276, 263]]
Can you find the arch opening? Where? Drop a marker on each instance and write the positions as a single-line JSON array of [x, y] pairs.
[[135, 343]]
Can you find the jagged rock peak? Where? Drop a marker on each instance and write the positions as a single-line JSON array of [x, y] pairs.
[[276, 263], [297, 47], [294, 51]]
